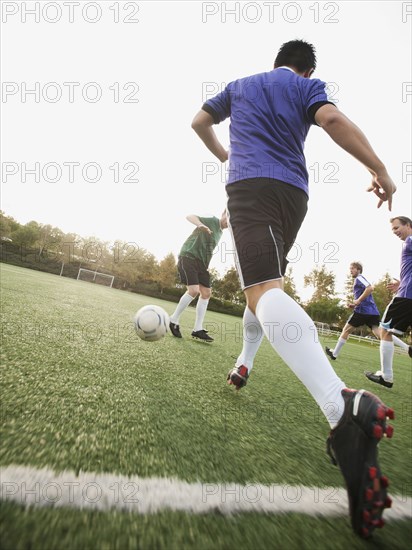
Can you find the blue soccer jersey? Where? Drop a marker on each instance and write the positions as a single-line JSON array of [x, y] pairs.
[[367, 306], [405, 288], [270, 116]]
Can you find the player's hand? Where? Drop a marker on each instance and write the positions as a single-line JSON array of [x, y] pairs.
[[352, 305], [384, 188], [204, 228], [393, 286]]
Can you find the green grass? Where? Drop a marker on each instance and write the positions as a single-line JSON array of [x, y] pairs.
[[81, 391], [44, 529]]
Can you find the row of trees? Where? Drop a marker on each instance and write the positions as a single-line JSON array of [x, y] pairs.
[[48, 248]]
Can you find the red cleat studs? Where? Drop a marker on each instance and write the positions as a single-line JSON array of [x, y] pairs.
[[369, 494], [378, 523], [388, 502], [389, 431], [381, 413], [390, 413], [378, 504], [373, 472], [366, 516], [384, 481], [378, 431]]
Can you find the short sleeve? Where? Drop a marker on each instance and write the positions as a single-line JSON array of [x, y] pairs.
[[316, 97], [219, 106], [363, 281]]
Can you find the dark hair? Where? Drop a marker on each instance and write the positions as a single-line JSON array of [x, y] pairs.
[[358, 266], [403, 219], [298, 54]]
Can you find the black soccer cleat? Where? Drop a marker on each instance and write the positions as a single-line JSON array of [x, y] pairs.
[[329, 353], [352, 445], [202, 335], [410, 351], [175, 330], [378, 379], [238, 377]]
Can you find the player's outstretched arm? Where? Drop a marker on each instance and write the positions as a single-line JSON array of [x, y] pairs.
[[348, 136], [202, 124]]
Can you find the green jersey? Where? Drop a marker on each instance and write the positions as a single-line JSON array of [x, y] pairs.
[[200, 245]]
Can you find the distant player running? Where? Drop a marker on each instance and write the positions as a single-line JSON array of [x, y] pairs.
[[193, 263], [365, 312], [398, 315]]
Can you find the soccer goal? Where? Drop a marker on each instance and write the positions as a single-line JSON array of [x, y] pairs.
[[95, 277], [323, 328]]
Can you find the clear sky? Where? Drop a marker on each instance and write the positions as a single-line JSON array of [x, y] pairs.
[[115, 85]]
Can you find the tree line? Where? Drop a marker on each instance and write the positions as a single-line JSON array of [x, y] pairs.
[[47, 248]]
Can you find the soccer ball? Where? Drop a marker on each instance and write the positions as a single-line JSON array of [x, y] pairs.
[[151, 323]]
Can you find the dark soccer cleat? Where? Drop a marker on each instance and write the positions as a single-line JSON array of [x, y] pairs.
[[352, 445], [329, 352], [238, 376], [175, 330], [410, 351], [378, 378], [202, 335]]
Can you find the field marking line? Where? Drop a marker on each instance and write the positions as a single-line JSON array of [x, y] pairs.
[[103, 492]]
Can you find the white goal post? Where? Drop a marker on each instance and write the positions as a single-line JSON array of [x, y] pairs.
[[95, 277], [323, 328]]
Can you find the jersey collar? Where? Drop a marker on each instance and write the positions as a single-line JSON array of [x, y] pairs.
[[288, 68]]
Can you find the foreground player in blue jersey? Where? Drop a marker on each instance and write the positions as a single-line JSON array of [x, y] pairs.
[[398, 315], [270, 115], [365, 312]]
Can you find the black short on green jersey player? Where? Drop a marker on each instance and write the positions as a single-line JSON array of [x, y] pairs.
[[193, 262]]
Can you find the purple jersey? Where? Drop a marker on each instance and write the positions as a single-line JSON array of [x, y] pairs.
[[270, 116], [405, 287], [367, 306]]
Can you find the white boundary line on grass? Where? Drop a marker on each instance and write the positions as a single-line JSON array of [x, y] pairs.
[[90, 491]]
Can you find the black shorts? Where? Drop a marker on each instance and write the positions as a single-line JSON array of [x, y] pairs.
[[193, 272], [265, 216], [398, 316], [359, 319]]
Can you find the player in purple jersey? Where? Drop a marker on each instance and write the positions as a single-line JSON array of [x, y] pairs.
[[270, 116], [398, 315], [365, 312]]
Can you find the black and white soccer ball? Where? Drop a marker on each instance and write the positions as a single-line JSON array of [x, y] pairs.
[[151, 323]]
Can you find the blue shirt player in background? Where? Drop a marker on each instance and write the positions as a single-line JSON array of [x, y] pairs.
[[365, 312], [398, 315], [270, 116]]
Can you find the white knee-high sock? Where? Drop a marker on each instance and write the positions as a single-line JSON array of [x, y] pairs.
[[252, 338], [398, 342], [387, 350], [184, 301], [200, 313], [339, 344], [293, 335]]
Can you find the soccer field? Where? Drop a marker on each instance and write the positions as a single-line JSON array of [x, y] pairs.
[[83, 395]]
